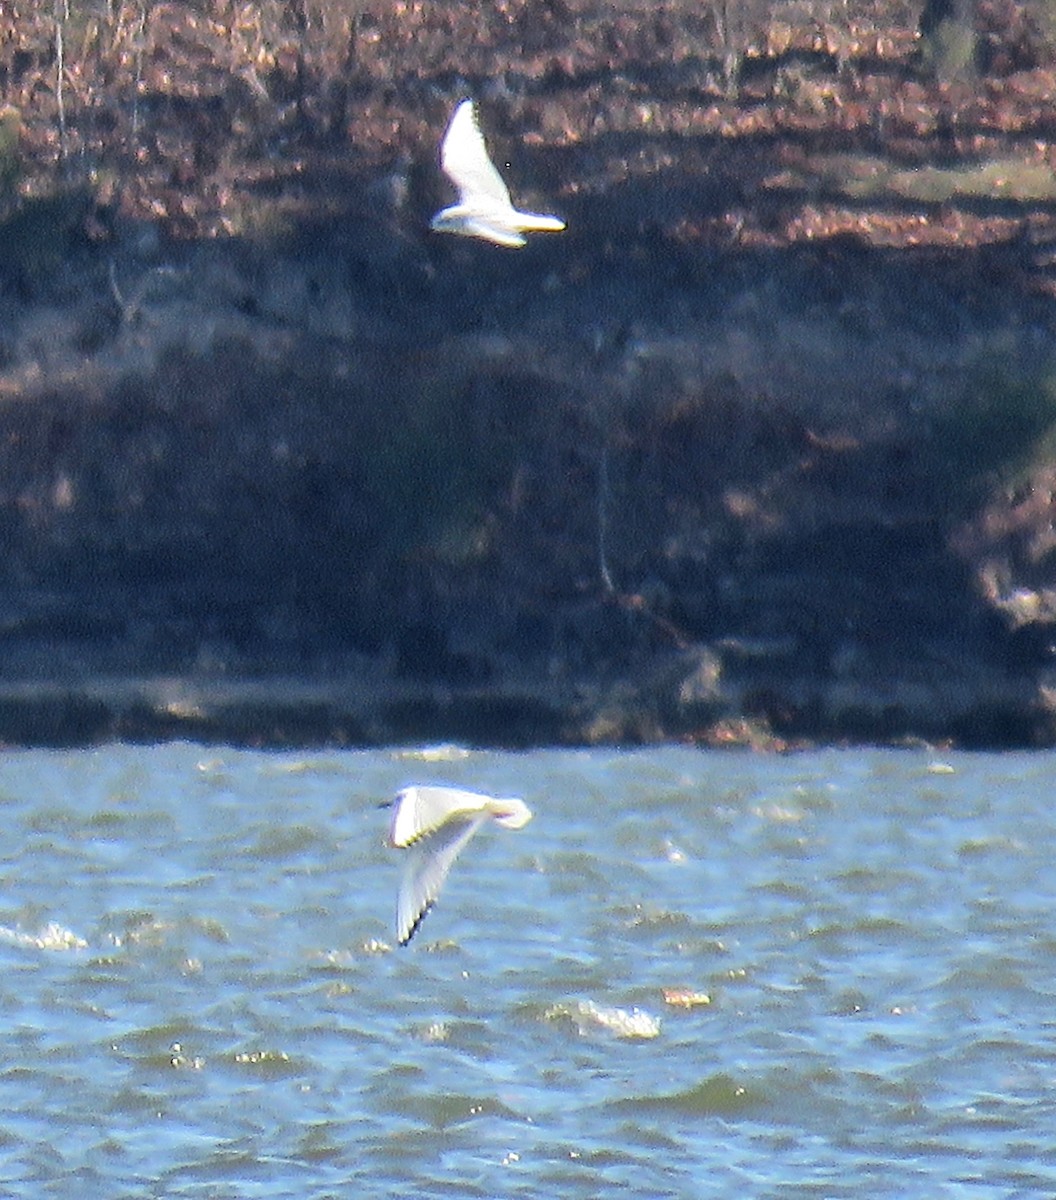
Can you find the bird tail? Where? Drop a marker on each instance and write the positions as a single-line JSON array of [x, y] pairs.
[[539, 222]]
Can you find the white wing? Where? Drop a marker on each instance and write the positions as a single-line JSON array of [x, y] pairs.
[[465, 160], [430, 860], [492, 231], [420, 811]]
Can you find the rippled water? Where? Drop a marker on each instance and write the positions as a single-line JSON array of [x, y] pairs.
[[692, 974]]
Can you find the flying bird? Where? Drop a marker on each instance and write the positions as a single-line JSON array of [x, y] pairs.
[[484, 208], [433, 824]]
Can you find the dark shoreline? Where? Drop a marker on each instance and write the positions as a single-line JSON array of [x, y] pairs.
[[284, 713], [402, 527]]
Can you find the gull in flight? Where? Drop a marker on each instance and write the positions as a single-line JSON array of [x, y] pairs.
[[484, 208], [433, 824]]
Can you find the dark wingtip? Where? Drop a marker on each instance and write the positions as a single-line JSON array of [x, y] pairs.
[[417, 922]]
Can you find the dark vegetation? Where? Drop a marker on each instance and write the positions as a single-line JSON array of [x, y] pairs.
[[761, 449]]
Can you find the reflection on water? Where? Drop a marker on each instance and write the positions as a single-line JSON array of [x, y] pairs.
[[693, 973]]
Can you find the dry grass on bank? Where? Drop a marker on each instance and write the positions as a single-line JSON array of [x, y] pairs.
[[192, 113]]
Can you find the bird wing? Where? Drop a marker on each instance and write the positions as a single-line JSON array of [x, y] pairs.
[[465, 160], [421, 810], [498, 233], [431, 858]]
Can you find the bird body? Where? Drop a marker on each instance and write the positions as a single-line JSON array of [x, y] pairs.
[[433, 824], [484, 208]]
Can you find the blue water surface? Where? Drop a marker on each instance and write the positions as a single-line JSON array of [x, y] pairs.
[[693, 974]]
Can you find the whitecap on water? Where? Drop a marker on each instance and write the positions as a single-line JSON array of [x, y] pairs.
[[587, 1015], [443, 752], [52, 936]]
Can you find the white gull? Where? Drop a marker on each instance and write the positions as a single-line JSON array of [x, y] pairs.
[[484, 208], [433, 823]]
